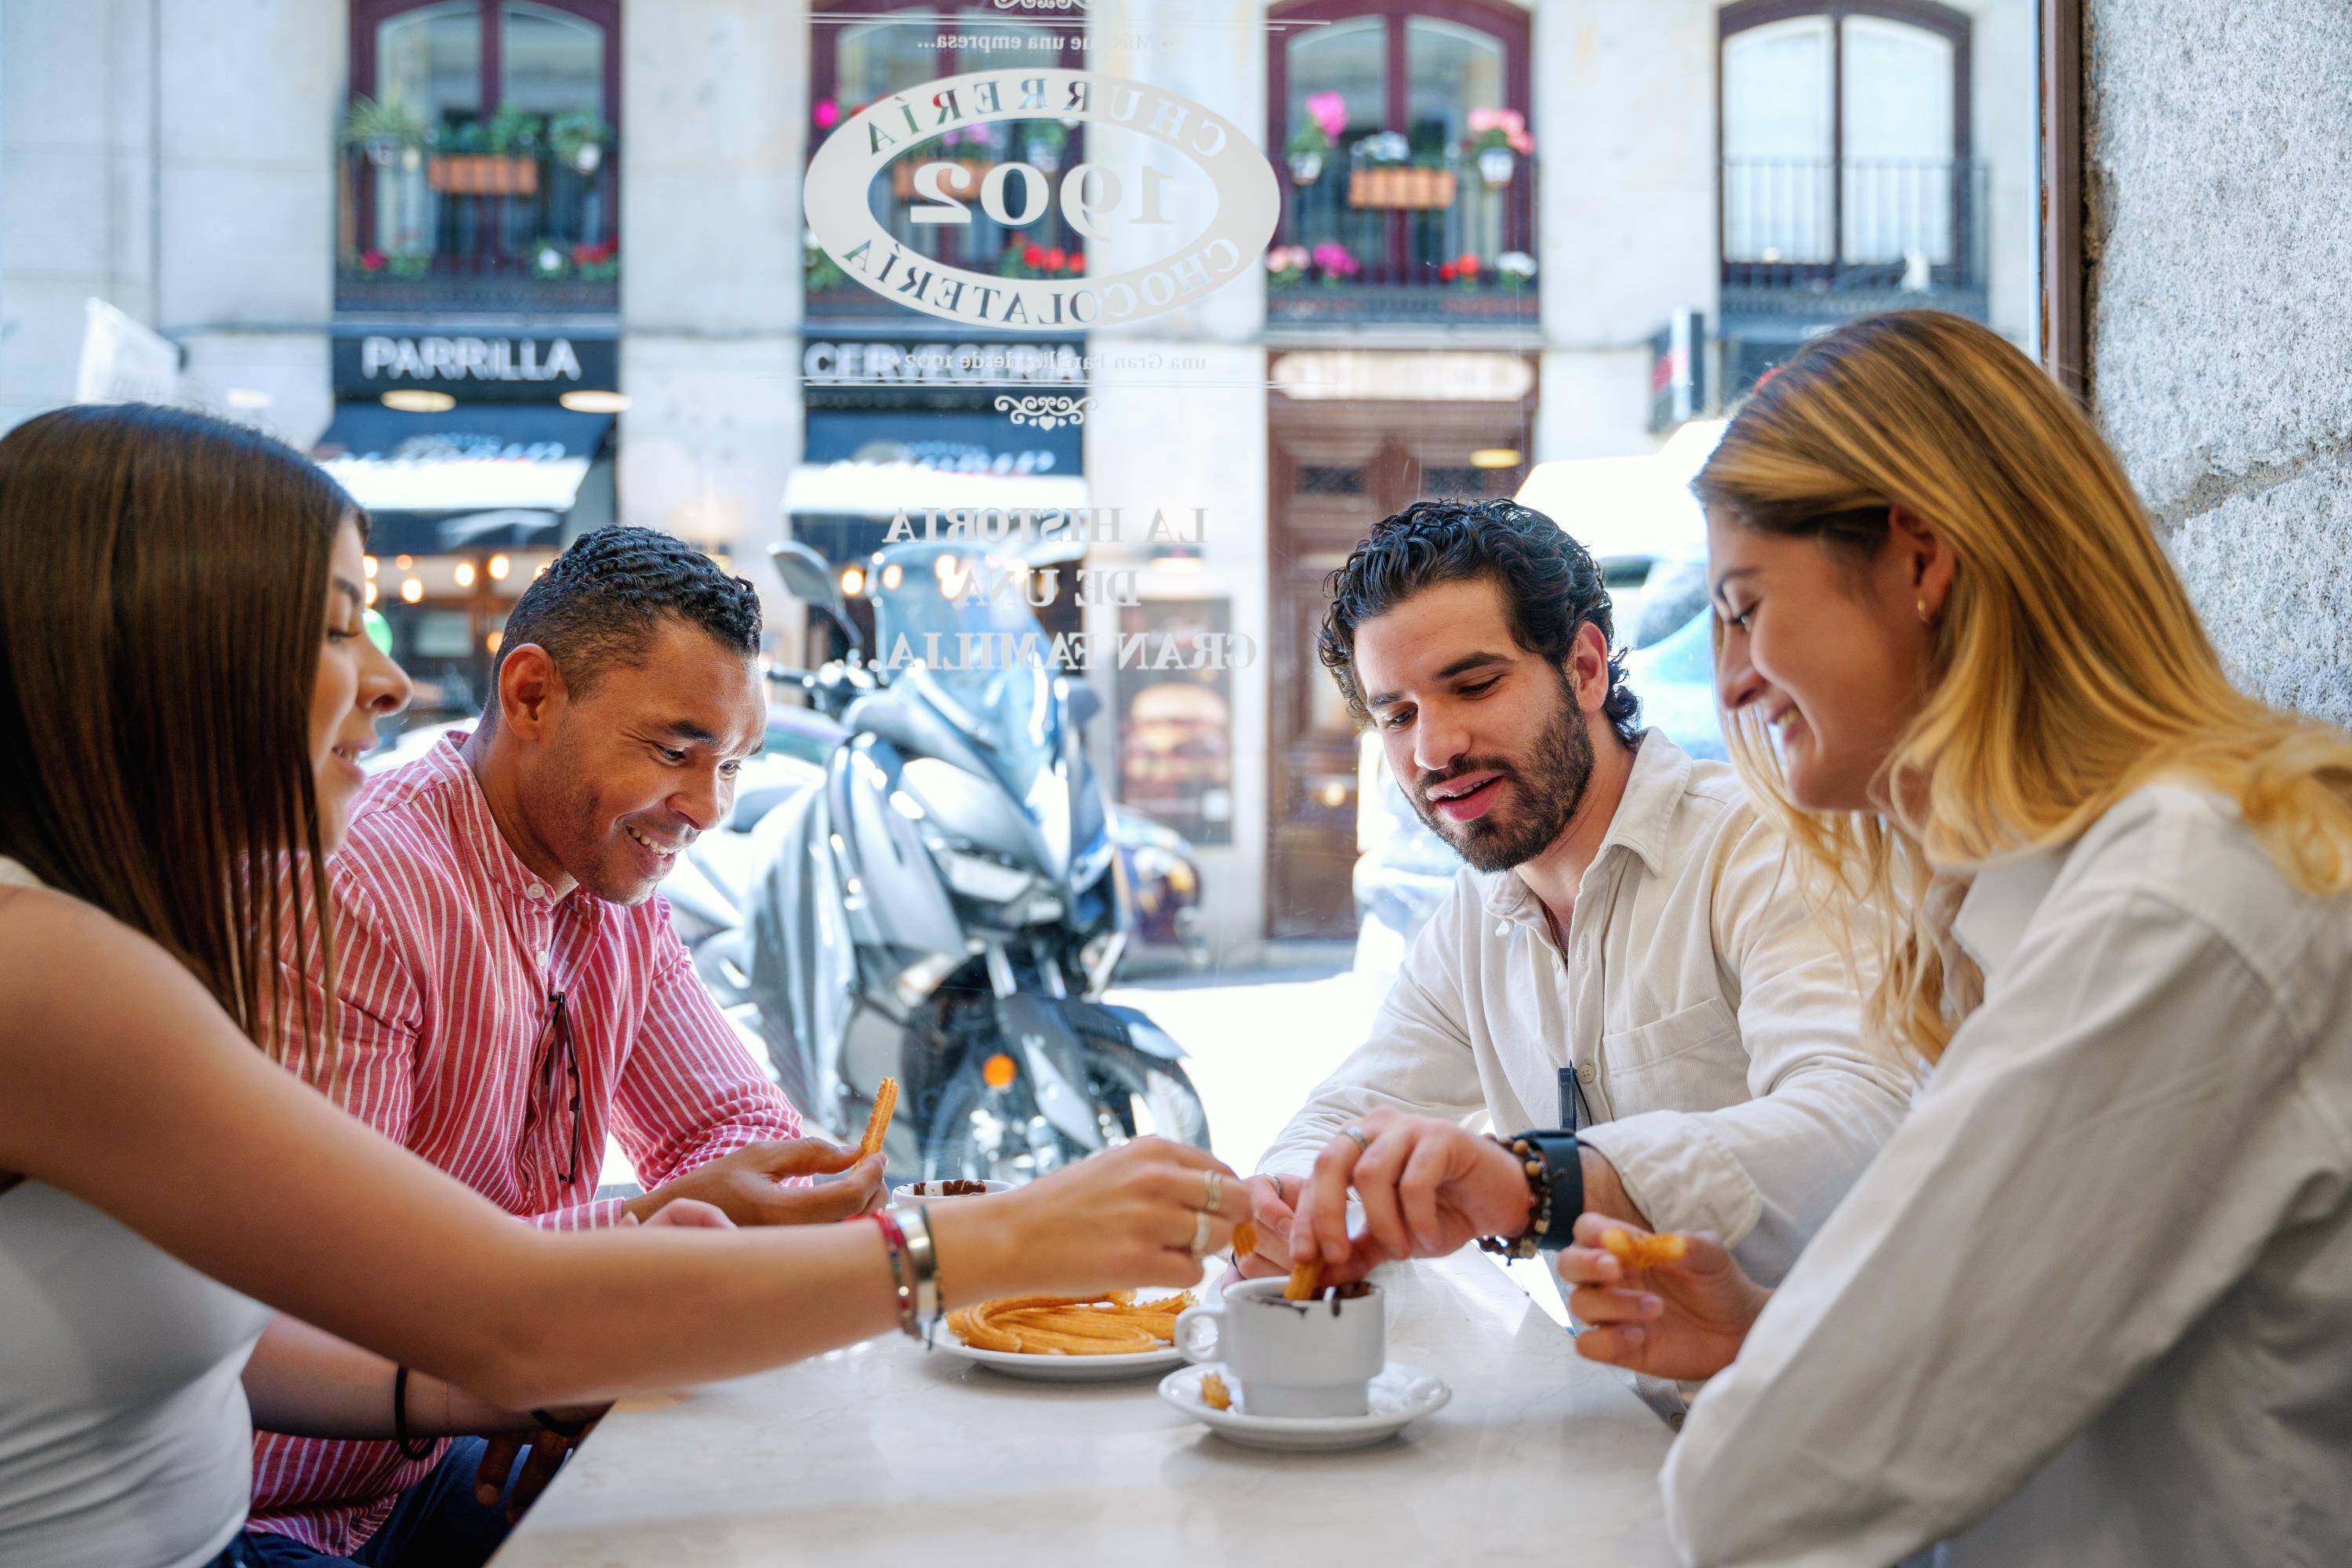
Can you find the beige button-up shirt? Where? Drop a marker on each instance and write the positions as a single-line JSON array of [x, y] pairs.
[[2093, 1305], [1712, 1024]]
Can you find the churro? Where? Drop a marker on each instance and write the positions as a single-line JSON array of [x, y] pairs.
[[1214, 1394], [1306, 1280], [1643, 1251], [1114, 1324], [1244, 1239], [886, 1102]]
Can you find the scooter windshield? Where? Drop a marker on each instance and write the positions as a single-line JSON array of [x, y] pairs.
[[958, 611]]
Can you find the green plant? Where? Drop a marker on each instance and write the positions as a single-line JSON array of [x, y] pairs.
[[388, 120], [465, 136], [409, 264], [1051, 135], [549, 259], [569, 133], [822, 271], [513, 130]]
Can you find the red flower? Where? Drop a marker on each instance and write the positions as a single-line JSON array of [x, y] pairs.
[[1032, 256], [371, 261], [1450, 271], [1078, 261], [1055, 258], [1468, 266]]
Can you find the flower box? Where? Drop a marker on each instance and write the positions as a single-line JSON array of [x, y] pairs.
[[483, 174], [1417, 190], [964, 187]]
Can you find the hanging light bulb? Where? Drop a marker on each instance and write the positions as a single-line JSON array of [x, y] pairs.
[[411, 590], [464, 573], [500, 567]]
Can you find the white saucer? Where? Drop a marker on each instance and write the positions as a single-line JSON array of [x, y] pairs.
[[1060, 1368], [1400, 1396]]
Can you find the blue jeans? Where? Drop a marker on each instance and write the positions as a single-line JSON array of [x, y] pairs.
[[435, 1524]]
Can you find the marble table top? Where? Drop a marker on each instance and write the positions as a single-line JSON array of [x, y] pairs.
[[884, 1453]]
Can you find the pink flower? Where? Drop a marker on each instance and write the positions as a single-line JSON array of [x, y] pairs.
[[828, 114], [371, 261], [1330, 111], [1483, 121]]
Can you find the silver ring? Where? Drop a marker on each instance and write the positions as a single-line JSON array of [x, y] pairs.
[[1216, 1198], [1280, 1196], [1200, 1248], [1363, 1142]]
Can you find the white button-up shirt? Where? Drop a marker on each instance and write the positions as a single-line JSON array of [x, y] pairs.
[[1711, 1022], [2093, 1305]]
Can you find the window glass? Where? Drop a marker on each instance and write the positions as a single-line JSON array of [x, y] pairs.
[[1777, 142], [552, 61]]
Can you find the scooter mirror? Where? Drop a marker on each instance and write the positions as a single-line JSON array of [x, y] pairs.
[[808, 578]]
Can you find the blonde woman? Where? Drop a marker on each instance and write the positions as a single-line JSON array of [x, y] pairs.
[[183, 689], [2092, 1304]]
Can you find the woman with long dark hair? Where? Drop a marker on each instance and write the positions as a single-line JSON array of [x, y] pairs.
[[184, 691]]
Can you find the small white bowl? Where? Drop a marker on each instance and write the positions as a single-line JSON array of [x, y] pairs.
[[914, 1192]]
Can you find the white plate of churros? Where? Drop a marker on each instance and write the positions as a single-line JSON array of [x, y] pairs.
[[1062, 1339]]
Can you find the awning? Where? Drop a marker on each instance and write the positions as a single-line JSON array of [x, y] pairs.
[[475, 459], [880, 462]]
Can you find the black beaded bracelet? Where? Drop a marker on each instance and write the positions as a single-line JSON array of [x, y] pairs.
[[399, 1419], [1555, 1172]]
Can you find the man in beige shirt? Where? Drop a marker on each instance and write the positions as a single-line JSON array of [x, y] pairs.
[[1626, 944]]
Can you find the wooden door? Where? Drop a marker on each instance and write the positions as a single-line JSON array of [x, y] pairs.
[[1336, 469]]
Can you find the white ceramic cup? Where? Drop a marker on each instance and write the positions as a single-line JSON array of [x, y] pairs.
[[1294, 1358]]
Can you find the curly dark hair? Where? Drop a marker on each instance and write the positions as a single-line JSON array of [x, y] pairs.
[[1550, 585], [603, 599]]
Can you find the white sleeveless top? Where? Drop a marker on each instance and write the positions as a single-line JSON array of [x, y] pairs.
[[124, 1438]]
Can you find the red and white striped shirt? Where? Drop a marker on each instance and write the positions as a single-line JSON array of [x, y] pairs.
[[448, 950]]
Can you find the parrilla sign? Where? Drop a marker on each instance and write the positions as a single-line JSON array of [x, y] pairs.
[[535, 367], [1098, 200]]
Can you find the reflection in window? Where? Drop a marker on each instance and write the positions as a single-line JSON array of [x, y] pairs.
[[1897, 95], [431, 60], [552, 62], [1777, 144], [874, 60], [1841, 143], [1455, 69], [1350, 59]]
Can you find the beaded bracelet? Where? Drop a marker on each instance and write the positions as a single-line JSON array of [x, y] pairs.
[[894, 1242], [1536, 1161]]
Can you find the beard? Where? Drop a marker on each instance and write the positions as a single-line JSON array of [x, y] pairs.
[[1547, 785]]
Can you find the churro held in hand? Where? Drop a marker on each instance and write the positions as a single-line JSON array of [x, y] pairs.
[[886, 1102]]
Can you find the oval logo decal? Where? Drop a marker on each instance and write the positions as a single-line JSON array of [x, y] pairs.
[[1248, 199]]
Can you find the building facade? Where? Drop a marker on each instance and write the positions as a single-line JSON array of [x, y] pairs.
[[516, 267]]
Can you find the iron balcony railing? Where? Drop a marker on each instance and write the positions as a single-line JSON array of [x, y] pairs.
[[1810, 227], [1436, 242], [426, 230]]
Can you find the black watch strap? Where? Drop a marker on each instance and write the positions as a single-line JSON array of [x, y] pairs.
[[1562, 1198], [1555, 1172]]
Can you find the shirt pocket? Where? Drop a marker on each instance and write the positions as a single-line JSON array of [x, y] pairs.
[[1690, 1060]]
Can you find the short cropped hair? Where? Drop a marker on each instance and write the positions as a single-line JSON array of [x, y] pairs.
[[1551, 587], [604, 599]]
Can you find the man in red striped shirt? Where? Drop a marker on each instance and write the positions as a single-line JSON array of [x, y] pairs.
[[510, 990]]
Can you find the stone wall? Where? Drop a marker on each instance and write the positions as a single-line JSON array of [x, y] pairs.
[[2219, 244]]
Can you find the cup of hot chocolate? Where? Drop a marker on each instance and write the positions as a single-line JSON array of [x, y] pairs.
[[1292, 1358]]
